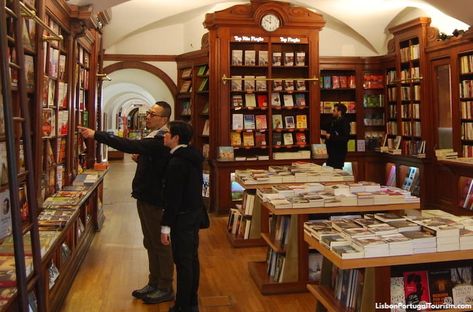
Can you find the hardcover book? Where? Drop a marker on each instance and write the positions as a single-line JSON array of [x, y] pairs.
[[236, 83], [300, 85], [289, 59], [288, 100], [275, 99], [249, 122], [237, 122], [250, 100], [225, 153], [237, 57], [262, 100], [277, 58], [186, 72], [301, 121], [440, 284], [277, 138], [261, 123], [416, 287], [300, 99], [301, 138], [300, 58], [289, 85], [260, 139], [237, 101], [250, 57], [288, 140], [235, 138], [249, 83], [277, 121], [261, 83], [277, 85], [248, 139], [262, 58], [289, 122], [49, 123]]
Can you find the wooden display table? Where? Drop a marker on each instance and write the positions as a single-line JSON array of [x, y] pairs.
[[297, 250], [377, 273]]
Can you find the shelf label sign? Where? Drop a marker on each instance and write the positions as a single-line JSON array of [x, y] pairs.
[[248, 39], [289, 40]]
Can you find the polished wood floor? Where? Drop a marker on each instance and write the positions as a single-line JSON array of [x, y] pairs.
[[116, 264]]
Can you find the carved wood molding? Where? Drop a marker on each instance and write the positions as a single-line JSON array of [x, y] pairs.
[[139, 58], [251, 14], [146, 67]]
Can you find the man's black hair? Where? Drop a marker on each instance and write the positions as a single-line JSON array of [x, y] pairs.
[[182, 129]]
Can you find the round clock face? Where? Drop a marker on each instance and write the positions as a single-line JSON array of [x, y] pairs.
[[270, 22]]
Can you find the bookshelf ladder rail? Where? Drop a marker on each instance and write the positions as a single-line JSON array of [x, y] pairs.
[[17, 230]]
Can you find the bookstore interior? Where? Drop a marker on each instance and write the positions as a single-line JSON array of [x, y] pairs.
[[259, 93]]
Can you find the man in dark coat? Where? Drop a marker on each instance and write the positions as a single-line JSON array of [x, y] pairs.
[[183, 212], [337, 137], [151, 156]]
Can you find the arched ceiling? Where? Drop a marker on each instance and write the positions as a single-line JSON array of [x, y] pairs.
[[369, 19]]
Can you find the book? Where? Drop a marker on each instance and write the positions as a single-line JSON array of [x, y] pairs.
[[300, 59], [204, 85], [48, 122], [237, 101], [277, 121], [237, 122], [260, 139], [250, 100], [301, 138], [185, 87], [205, 110], [277, 138], [62, 95], [250, 57], [235, 138], [249, 122], [51, 93], [29, 71], [288, 100], [275, 99], [288, 85], [225, 153], [249, 83], [3, 164], [440, 285], [288, 140], [300, 85], [301, 121], [206, 128], [300, 99], [202, 71], [416, 287], [289, 59], [5, 214], [63, 122], [319, 151], [277, 85], [262, 100], [277, 58], [186, 73], [236, 83], [248, 139], [261, 123], [289, 122], [262, 58], [261, 83], [237, 57], [397, 291]]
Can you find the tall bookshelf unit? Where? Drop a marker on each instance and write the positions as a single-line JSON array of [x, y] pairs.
[[410, 81], [254, 88], [192, 101], [48, 75]]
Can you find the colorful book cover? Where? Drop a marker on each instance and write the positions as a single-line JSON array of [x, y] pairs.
[[416, 287], [261, 122], [440, 284], [262, 100]]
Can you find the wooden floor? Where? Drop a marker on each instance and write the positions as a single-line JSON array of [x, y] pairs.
[[116, 264]]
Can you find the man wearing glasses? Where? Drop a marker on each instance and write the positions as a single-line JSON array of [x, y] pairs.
[[151, 156]]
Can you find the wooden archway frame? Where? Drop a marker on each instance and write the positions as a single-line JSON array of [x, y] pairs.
[[146, 67]]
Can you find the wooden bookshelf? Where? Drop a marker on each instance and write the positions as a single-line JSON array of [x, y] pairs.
[[227, 39], [297, 249], [377, 272]]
